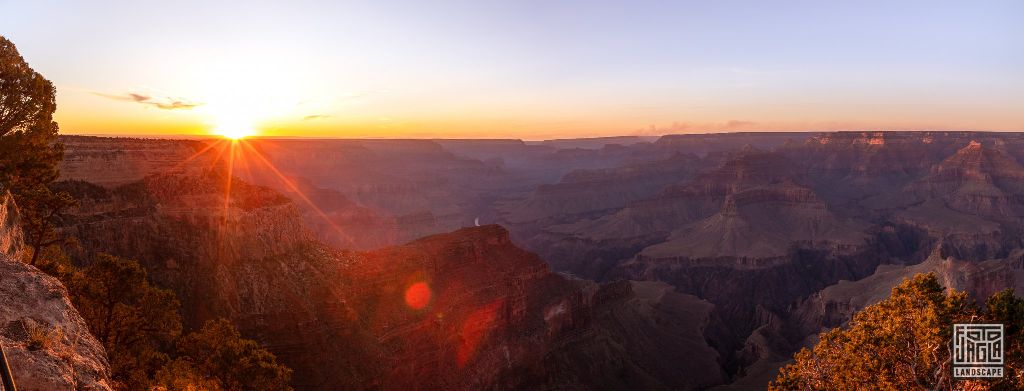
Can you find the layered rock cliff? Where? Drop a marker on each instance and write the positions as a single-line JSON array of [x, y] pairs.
[[119, 160]]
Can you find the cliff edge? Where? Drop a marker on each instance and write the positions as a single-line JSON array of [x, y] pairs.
[[47, 343]]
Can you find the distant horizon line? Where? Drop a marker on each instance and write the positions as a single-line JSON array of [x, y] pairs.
[[657, 136]]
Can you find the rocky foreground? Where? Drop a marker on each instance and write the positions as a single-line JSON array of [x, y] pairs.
[[47, 343]]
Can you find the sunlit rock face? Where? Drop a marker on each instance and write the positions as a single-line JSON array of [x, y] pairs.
[[977, 180], [112, 161], [11, 238], [48, 344]]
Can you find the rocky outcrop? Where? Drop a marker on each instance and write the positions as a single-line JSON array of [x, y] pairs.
[[644, 335], [457, 310], [48, 345], [977, 180], [11, 238], [762, 223]]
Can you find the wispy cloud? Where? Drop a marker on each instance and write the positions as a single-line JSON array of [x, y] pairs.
[[315, 116], [165, 102]]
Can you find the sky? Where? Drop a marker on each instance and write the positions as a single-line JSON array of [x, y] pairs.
[[523, 69]]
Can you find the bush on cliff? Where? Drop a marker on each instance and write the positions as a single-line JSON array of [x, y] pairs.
[[903, 343], [217, 357], [140, 327], [136, 322]]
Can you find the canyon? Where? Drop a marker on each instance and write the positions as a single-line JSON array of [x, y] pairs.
[[682, 262]]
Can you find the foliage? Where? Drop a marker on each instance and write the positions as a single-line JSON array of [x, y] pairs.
[[41, 337], [29, 150], [140, 328], [42, 211], [903, 343], [182, 375], [135, 321], [80, 189], [217, 354], [55, 262], [1003, 307]]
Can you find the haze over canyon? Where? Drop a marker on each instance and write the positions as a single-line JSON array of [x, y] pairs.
[[679, 262]]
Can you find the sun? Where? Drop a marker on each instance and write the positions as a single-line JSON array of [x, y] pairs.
[[234, 128], [236, 134]]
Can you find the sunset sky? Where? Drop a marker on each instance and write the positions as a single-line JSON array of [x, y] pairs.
[[524, 69]]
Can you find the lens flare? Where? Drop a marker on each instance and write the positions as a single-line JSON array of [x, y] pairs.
[[417, 295], [474, 330]]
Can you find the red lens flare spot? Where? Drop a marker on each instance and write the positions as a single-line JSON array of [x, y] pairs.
[[417, 295], [474, 330]]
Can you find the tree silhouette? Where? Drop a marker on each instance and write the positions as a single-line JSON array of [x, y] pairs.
[[29, 150], [135, 321], [217, 357], [42, 210]]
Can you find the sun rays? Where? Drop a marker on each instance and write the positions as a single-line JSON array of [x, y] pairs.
[[235, 154]]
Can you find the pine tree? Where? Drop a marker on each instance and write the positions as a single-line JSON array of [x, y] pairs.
[[29, 149]]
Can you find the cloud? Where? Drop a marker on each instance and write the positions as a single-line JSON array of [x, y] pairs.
[[315, 116], [165, 103]]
